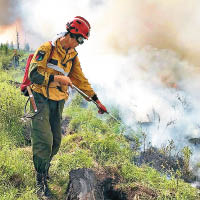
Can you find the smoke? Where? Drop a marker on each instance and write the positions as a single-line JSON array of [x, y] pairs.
[[121, 24], [142, 57], [10, 20], [9, 11], [170, 25], [139, 84], [44, 19]]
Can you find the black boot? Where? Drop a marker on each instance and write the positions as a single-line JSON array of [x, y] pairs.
[[48, 177], [40, 184], [47, 191]]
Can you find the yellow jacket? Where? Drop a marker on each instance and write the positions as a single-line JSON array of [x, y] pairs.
[[63, 60]]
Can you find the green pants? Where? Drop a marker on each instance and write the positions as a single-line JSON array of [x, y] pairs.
[[46, 131]]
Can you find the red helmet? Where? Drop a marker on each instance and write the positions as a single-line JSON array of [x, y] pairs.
[[79, 25]]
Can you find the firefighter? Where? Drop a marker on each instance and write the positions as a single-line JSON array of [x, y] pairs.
[[50, 90], [15, 58]]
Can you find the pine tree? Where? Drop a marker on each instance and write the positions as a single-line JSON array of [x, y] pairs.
[[11, 45], [6, 49], [27, 47]]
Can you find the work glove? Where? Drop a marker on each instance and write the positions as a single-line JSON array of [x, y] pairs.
[[101, 107], [63, 80]]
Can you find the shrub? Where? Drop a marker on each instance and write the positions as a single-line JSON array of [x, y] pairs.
[[16, 174], [5, 63], [11, 110]]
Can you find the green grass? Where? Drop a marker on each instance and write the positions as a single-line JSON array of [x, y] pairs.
[[16, 171], [11, 109]]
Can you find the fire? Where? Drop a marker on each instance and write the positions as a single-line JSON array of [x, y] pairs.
[[8, 32], [166, 80]]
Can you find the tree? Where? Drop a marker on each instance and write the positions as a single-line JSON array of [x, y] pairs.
[[11, 45], [6, 49], [27, 47]]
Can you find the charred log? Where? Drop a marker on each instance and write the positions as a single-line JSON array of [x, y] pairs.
[[83, 185]]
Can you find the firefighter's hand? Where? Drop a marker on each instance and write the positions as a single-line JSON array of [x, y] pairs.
[[102, 108], [63, 80]]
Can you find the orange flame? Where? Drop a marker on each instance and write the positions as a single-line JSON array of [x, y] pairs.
[[8, 32]]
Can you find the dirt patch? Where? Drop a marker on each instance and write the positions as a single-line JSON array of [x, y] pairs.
[[164, 163]]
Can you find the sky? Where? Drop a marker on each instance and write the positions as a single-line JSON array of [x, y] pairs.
[[142, 57]]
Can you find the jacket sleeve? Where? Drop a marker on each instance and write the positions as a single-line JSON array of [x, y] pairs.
[[37, 72], [79, 80]]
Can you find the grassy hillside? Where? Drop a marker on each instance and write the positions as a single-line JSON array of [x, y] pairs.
[[90, 142]]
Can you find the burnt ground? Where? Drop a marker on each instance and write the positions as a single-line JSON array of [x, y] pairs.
[[165, 163], [194, 141], [158, 160], [110, 181]]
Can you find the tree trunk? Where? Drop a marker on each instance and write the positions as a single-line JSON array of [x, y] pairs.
[[83, 185]]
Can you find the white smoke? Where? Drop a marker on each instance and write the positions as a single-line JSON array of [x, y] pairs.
[[140, 85], [9, 12], [44, 19]]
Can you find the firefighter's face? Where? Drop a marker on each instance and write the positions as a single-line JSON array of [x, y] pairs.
[[73, 42], [67, 42]]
